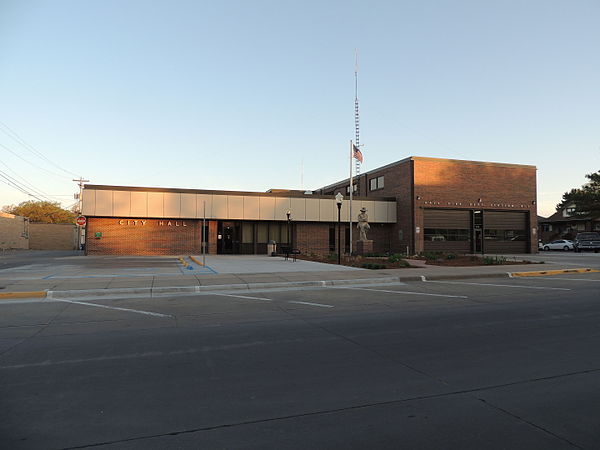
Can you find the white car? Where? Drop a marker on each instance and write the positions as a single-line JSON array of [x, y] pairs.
[[561, 244]]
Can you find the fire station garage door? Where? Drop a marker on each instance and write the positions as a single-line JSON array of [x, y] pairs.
[[505, 232], [447, 230]]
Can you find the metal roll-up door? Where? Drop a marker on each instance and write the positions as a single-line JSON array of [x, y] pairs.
[[447, 230], [505, 232]]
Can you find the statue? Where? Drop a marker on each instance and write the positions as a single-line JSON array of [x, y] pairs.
[[363, 224]]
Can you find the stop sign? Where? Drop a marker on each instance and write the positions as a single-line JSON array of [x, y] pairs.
[[81, 221]]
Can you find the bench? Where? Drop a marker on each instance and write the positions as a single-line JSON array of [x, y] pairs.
[[287, 251]]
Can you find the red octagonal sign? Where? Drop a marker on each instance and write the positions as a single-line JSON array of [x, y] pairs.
[[81, 221]]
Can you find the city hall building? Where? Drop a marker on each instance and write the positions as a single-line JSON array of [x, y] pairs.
[[416, 204]]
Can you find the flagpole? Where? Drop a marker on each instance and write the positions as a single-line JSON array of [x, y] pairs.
[[351, 189]]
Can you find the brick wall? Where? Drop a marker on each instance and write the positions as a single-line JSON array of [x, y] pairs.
[[14, 232], [310, 237], [474, 185], [144, 236], [419, 183], [52, 236]]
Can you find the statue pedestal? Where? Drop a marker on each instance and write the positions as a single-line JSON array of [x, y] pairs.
[[363, 247]]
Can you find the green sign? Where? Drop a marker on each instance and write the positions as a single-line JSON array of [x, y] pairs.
[[98, 234]]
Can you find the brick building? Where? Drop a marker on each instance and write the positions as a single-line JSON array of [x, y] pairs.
[[453, 205], [416, 204]]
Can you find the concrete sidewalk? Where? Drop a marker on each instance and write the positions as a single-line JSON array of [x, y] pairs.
[[162, 286]]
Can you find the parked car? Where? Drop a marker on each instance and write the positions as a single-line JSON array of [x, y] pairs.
[[560, 244], [587, 241]]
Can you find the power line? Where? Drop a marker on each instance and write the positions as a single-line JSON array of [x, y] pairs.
[[32, 164], [10, 181], [27, 184], [15, 136]]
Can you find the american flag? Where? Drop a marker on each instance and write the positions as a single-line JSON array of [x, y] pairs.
[[356, 153]]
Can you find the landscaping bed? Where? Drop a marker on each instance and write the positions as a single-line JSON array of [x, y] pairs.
[[363, 262], [397, 261], [454, 260]]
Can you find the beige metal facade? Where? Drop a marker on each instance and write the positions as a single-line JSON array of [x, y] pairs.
[[182, 205]]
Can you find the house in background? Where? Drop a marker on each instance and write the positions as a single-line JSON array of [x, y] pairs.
[[563, 224]]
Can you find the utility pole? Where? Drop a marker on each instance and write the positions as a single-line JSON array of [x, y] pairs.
[[79, 209]]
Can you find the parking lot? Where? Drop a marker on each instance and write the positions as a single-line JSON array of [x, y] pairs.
[[480, 363]]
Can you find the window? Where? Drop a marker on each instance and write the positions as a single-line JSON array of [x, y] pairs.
[[570, 211], [262, 232], [274, 232], [354, 189], [376, 183], [443, 234], [247, 233], [505, 235]]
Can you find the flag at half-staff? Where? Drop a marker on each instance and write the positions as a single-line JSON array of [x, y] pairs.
[[357, 154]]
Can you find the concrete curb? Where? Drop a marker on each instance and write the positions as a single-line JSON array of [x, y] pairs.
[[166, 291], [541, 273]]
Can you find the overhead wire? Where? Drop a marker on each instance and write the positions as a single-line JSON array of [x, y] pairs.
[[29, 190], [10, 181], [26, 184], [15, 136], [32, 164]]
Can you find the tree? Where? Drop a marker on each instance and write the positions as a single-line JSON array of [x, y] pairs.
[[46, 212], [585, 199]]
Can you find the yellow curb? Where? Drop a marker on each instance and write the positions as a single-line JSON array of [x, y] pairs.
[[196, 261], [183, 261], [541, 273], [30, 294]]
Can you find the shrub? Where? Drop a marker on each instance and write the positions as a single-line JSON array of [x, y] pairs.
[[451, 256], [494, 260], [432, 255], [332, 257], [396, 257]]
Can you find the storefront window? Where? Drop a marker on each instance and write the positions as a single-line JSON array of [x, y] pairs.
[[247, 233], [262, 232], [274, 233]]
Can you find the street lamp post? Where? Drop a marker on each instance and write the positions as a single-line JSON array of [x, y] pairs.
[[339, 198], [289, 243]]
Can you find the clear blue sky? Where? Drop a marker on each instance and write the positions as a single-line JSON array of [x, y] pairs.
[[241, 94]]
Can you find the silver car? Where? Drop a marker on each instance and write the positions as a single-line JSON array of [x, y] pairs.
[[560, 244]]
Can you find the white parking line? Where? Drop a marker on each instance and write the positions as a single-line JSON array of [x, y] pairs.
[[96, 305], [311, 304], [270, 300], [242, 296], [569, 279], [499, 285], [404, 292]]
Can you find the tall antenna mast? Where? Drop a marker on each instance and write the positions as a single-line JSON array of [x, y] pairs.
[[356, 117]]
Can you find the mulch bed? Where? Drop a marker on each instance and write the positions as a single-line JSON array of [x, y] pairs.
[[466, 261], [457, 261], [356, 261]]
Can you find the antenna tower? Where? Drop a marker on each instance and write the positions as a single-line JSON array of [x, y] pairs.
[[356, 118]]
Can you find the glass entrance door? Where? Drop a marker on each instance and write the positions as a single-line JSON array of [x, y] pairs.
[[477, 232], [229, 238]]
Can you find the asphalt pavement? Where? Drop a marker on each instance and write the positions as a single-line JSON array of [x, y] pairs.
[[494, 363]]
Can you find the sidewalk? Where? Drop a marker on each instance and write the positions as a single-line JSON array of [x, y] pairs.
[[158, 276]]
